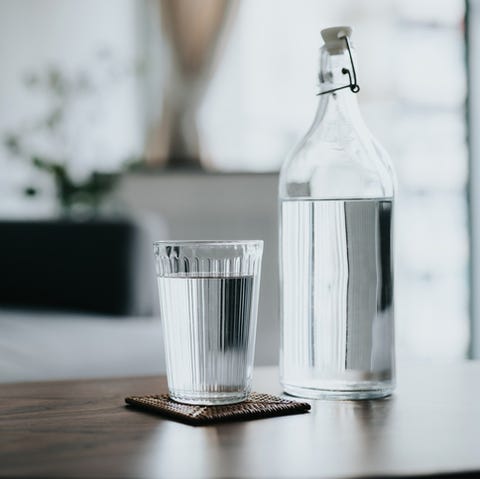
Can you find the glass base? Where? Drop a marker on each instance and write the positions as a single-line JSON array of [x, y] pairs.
[[335, 394], [208, 399]]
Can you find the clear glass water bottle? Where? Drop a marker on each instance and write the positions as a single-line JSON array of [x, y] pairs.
[[336, 268]]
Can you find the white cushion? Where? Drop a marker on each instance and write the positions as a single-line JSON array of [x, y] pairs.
[[45, 346]]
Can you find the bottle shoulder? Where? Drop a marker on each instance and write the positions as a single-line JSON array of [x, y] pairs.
[[337, 161]]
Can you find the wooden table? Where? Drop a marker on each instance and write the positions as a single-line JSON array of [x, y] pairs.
[[82, 429]]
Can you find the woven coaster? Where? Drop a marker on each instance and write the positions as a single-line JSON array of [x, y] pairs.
[[256, 406]]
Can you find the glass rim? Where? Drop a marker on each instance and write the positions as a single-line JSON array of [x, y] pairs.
[[208, 242]]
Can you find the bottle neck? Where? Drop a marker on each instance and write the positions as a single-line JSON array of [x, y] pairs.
[[343, 102]]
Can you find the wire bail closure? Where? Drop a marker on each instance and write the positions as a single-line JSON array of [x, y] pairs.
[[352, 81]]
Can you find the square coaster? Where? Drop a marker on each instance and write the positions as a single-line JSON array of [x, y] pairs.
[[256, 406]]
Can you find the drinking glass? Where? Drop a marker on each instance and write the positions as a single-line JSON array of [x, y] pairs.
[[208, 293]]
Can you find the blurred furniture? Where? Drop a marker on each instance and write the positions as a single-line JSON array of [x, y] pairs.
[[78, 299], [45, 345], [82, 429], [89, 266]]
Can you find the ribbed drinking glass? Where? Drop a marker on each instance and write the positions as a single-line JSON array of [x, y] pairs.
[[208, 293]]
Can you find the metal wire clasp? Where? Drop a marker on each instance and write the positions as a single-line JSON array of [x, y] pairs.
[[353, 85]]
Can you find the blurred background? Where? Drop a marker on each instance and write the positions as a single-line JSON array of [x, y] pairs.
[[125, 121]]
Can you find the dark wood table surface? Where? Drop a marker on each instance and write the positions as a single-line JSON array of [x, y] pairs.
[[82, 429]]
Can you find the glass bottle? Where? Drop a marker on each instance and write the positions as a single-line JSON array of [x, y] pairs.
[[336, 269]]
